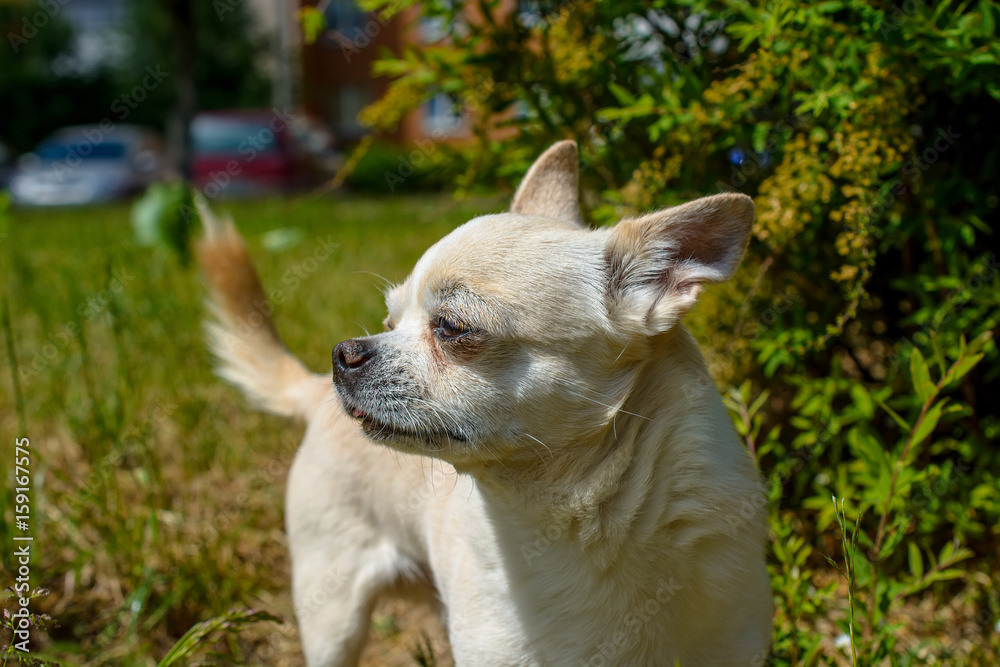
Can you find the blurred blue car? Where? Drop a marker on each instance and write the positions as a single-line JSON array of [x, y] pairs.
[[87, 164]]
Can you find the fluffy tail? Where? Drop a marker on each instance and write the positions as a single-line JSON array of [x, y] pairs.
[[243, 338]]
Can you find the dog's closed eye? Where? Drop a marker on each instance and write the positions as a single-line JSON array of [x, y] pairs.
[[448, 329], [388, 324]]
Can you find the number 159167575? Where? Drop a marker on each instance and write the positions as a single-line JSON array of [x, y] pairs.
[[22, 481]]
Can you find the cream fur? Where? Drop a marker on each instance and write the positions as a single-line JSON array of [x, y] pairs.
[[564, 473]]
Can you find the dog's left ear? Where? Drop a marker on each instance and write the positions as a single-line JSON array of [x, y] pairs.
[[658, 263], [551, 188]]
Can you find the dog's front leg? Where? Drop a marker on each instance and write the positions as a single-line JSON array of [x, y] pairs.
[[340, 560], [333, 608]]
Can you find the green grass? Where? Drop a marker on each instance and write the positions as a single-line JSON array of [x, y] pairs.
[[158, 492]]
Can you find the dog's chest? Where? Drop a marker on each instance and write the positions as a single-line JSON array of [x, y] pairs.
[[530, 598]]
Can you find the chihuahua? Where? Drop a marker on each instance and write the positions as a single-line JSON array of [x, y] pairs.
[[535, 434]]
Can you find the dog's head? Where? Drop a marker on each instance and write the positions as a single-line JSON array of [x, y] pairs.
[[522, 332]]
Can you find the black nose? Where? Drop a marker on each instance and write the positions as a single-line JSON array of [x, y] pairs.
[[349, 357]]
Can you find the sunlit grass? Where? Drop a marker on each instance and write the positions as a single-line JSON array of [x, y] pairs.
[[158, 493]]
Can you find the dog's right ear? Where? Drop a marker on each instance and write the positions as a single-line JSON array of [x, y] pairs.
[[658, 263], [551, 187]]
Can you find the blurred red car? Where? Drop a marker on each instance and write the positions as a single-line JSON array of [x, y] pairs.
[[242, 153]]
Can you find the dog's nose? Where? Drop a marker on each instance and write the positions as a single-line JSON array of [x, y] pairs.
[[349, 356]]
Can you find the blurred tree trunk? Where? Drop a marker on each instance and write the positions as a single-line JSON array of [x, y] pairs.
[[182, 30]]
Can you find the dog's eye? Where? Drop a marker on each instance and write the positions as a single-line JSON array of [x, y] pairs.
[[387, 324], [446, 329]]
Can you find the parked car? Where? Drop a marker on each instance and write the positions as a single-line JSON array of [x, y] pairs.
[[85, 164], [240, 153]]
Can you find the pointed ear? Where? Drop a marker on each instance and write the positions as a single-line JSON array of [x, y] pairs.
[[551, 187], [658, 263]]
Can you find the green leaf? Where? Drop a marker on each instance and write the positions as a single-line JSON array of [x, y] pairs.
[[759, 138], [758, 402], [945, 575], [200, 634], [903, 424], [946, 553], [921, 377], [929, 423], [624, 97], [968, 357], [643, 108], [862, 400], [916, 561], [283, 238], [313, 23], [164, 216], [987, 24], [983, 59], [950, 554]]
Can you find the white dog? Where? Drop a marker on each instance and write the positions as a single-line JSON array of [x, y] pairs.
[[549, 449]]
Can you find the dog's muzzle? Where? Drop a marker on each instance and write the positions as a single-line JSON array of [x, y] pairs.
[[349, 360]]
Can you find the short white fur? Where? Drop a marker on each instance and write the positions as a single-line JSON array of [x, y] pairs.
[[598, 507]]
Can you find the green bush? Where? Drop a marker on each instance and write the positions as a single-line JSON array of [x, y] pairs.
[[383, 168], [863, 317]]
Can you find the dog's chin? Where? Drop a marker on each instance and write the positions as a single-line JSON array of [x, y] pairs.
[[383, 431]]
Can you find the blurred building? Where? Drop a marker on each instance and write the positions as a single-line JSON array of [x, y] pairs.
[[331, 79], [98, 24], [337, 80], [277, 20], [97, 28]]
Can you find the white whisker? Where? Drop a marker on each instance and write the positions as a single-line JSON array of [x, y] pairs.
[[539, 442], [387, 283]]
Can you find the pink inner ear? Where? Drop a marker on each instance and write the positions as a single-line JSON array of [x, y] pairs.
[[710, 234], [660, 261]]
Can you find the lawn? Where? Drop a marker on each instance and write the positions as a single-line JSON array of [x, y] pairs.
[[158, 492]]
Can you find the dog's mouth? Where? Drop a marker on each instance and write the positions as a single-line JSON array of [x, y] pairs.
[[379, 430]]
